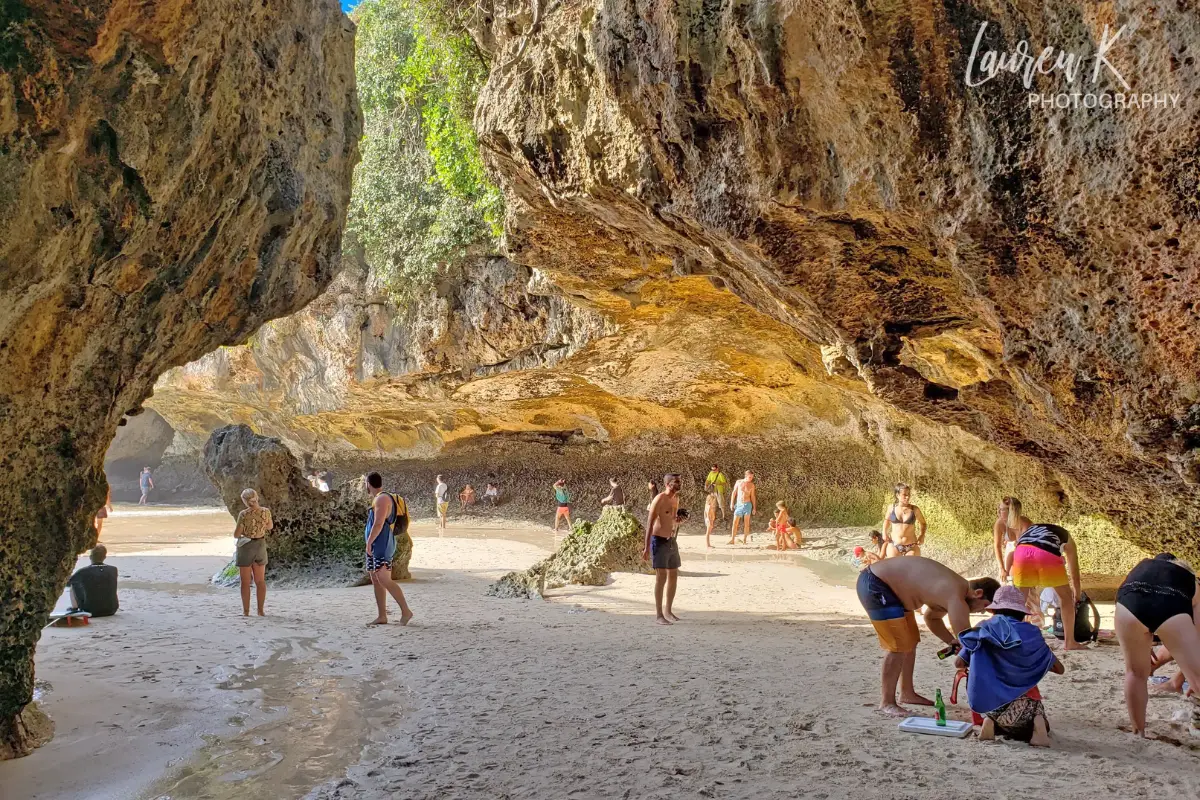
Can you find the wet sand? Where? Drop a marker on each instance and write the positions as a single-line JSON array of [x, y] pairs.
[[764, 690]]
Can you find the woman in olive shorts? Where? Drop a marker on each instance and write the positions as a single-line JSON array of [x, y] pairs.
[[1158, 597], [251, 531]]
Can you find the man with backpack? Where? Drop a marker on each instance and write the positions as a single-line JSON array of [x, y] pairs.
[[386, 511]]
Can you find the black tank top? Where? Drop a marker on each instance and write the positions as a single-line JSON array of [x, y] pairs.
[[1046, 537]]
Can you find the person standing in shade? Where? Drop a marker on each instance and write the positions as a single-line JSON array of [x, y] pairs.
[[94, 587], [253, 523], [441, 494], [146, 482], [563, 498], [381, 549], [663, 548], [717, 481], [616, 495]]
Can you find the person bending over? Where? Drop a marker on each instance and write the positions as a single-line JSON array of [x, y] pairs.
[[1042, 557], [1158, 597], [1007, 657], [94, 587], [891, 591]]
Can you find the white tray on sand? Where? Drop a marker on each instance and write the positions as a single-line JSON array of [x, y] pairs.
[[929, 726]]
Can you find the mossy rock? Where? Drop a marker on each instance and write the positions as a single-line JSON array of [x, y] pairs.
[[586, 557]]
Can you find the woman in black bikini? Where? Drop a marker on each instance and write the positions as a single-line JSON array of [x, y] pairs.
[[1158, 597], [900, 526]]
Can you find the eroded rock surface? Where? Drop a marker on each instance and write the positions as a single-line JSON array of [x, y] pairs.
[[588, 554], [318, 536], [172, 174], [1025, 274]]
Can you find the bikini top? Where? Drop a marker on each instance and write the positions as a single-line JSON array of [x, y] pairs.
[[912, 516]]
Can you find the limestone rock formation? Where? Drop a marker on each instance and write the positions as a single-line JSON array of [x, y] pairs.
[[1022, 272], [589, 553], [172, 174], [318, 536]]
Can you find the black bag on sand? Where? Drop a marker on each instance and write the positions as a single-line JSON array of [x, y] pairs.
[[1087, 627]]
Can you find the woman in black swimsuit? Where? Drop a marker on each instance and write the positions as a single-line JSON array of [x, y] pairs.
[[1158, 597], [902, 521]]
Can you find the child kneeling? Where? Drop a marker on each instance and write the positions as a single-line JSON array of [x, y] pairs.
[[1007, 657]]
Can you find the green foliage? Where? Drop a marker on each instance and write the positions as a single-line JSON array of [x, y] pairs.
[[421, 197], [12, 34]]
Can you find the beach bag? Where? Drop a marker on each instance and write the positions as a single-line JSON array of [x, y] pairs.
[[399, 524], [1087, 627]]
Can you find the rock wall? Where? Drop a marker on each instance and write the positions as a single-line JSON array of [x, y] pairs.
[[172, 174], [1026, 274]]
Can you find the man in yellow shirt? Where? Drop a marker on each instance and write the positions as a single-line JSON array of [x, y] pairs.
[[720, 484]]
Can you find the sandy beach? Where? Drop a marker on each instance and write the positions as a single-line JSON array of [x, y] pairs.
[[764, 689]]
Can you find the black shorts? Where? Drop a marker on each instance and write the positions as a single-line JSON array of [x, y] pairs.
[[664, 553]]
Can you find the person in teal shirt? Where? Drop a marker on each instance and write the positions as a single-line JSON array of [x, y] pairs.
[[563, 498]]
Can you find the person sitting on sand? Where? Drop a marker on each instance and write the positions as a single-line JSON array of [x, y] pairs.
[[466, 497], [891, 591], [94, 587], [787, 535], [616, 495], [1160, 656], [492, 494], [381, 549], [663, 547], [563, 498], [711, 501], [1042, 557], [1010, 524], [903, 525], [868, 557], [102, 514], [1157, 598], [744, 501], [253, 522], [1008, 657], [879, 546]]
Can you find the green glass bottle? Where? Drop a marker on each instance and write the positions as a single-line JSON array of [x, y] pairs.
[[940, 705]]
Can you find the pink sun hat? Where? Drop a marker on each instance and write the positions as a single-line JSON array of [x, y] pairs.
[[1008, 598]]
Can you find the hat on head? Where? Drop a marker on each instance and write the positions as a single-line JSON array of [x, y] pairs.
[[1008, 598], [858, 551]]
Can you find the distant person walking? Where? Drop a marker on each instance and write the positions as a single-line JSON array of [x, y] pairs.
[[563, 498], [102, 514], [662, 547], [717, 481], [381, 548], [253, 523], [441, 494], [146, 482], [745, 504]]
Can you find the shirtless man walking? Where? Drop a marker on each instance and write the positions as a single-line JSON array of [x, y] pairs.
[[744, 501], [380, 535], [891, 591], [661, 542]]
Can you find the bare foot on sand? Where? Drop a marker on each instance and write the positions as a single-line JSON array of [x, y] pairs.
[[672, 616], [262, 613], [1076, 646], [987, 731], [378, 621], [732, 541], [915, 700], [1041, 734], [405, 617], [893, 711], [662, 621]]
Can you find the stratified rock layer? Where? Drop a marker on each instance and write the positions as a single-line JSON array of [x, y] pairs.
[[172, 174], [588, 554], [318, 536], [1024, 273]]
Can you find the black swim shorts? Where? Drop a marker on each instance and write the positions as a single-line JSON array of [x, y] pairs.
[[664, 553]]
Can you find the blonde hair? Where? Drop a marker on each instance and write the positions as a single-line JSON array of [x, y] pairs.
[[1013, 518], [249, 495], [781, 506]]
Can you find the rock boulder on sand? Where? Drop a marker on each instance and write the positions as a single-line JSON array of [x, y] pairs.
[[590, 552], [318, 536]]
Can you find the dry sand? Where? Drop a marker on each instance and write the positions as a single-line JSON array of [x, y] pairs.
[[763, 691]]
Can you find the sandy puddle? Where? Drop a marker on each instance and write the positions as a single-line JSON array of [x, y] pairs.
[[311, 725]]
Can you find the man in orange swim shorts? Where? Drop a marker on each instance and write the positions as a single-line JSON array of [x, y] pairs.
[[891, 591]]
